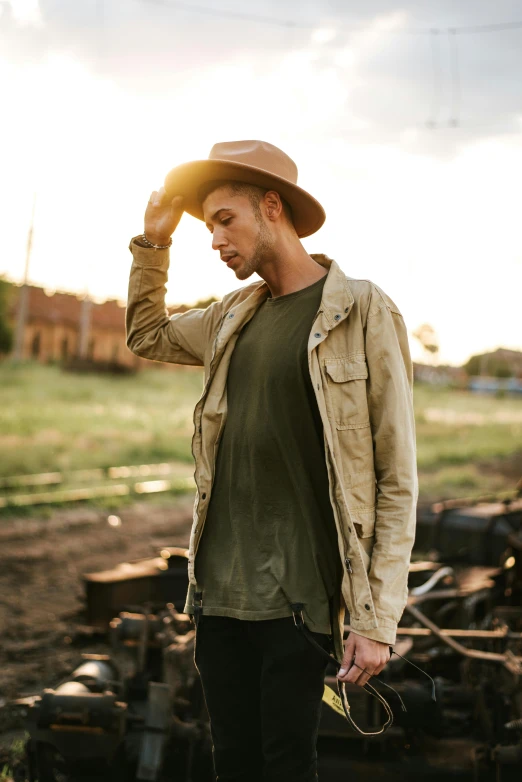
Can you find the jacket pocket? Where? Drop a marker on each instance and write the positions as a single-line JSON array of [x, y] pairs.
[[364, 523], [361, 495], [346, 390]]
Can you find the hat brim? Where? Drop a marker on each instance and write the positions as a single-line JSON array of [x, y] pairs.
[[186, 180]]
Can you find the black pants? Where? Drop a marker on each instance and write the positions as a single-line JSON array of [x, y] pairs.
[[263, 683]]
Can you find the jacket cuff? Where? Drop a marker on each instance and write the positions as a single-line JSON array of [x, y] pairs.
[[385, 632], [148, 256]]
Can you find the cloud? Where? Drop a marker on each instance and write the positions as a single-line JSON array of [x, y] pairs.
[[23, 12], [390, 77], [111, 102]]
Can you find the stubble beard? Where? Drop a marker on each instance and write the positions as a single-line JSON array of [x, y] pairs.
[[262, 250]]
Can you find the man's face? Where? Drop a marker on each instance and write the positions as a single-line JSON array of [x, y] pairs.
[[241, 237]]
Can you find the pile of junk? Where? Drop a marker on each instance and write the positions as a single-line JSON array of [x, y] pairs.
[[137, 711]]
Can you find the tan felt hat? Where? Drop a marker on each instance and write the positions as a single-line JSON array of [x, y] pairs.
[[254, 162]]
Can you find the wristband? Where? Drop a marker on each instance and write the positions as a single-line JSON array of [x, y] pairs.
[[156, 246]]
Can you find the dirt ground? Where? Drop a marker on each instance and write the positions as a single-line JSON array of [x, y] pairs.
[[41, 593], [42, 560]]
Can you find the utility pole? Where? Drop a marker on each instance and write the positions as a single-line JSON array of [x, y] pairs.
[[23, 300], [100, 18], [85, 326]]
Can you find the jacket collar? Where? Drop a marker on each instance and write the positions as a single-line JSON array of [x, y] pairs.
[[336, 301], [337, 297]]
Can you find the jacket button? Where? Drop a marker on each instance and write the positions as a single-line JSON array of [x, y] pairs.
[[367, 606], [346, 309], [231, 315], [317, 335], [337, 317], [204, 496]]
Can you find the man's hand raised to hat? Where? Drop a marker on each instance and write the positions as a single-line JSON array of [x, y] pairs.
[[162, 216]]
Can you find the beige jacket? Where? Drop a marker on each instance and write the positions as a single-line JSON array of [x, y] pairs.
[[361, 372]]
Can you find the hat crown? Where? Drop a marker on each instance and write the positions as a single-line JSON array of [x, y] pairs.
[[259, 154]]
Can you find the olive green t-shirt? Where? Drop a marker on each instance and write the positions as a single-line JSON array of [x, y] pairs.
[[269, 537]]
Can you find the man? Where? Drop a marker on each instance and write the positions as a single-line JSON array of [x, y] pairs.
[[304, 446]]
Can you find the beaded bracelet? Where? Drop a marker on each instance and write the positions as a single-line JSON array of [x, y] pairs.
[[156, 246]]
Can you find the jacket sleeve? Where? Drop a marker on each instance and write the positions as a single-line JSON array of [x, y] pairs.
[[152, 333], [390, 401]]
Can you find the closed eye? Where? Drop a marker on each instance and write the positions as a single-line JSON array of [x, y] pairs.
[[223, 221]]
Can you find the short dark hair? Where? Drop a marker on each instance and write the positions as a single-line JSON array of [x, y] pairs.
[[254, 194]]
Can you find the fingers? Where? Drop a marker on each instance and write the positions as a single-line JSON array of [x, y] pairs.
[[362, 659], [350, 671], [383, 664], [162, 215], [349, 652], [379, 668], [157, 197], [365, 676], [358, 674]]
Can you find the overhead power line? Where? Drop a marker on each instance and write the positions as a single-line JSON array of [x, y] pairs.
[[487, 28], [455, 79], [435, 35], [239, 15], [286, 23], [431, 122]]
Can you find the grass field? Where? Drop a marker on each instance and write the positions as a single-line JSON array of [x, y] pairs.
[[52, 420], [467, 444]]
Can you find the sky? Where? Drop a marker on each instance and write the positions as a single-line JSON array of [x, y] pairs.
[[404, 119]]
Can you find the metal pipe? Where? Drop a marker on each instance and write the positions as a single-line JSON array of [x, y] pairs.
[[432, 580], [436, 594], [484, 634], [464, 651]]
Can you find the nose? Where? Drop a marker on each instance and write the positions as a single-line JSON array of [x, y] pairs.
[[218, 239]]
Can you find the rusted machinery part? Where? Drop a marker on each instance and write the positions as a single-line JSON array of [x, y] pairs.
[[509, 660], [500, 498], [502, 632], [434, 579], [472, 581]]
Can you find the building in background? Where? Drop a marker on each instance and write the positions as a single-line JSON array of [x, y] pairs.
[[62, 327]]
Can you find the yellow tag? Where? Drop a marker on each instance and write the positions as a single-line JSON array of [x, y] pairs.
[[333, 700]]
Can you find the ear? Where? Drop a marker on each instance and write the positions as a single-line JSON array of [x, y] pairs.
[[273, 205]]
